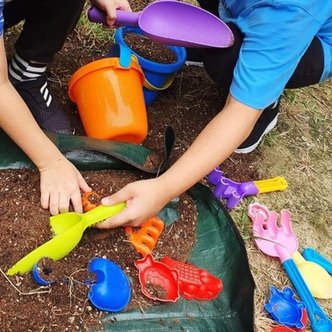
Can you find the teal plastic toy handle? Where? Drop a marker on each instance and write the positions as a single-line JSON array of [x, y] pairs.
[[313, 256], [320, 322], [125, 56]]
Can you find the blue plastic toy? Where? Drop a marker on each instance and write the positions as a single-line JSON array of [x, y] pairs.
[[284, 308], [158, 76], [313, 255], [36, 275], [111, 291]]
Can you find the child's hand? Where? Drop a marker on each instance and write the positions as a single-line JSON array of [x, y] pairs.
[[110, 7], [60, 184], [144, 199]]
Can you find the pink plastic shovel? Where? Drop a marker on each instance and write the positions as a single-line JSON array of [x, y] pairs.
[[279, 241], [315, 276], [174, 23]]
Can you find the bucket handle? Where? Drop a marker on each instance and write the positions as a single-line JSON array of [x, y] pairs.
[[146, 83], [125, 60], [125, 56], [166, 85]]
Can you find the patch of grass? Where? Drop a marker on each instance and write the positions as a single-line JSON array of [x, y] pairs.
[[96, 31], [243, 222], [299, 149], [270, 139]]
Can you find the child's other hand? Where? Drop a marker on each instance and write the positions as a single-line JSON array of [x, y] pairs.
[[144, 199], [60, 184], [110, 7]]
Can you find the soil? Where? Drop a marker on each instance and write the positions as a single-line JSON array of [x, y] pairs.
[[64, 304], [156, 291], [188, 105], [149, 49]]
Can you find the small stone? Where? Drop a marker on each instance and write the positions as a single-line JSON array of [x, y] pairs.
[[71, 319]]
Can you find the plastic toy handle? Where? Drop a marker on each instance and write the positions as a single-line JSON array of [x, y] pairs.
[[123, 17], [298, 258], [313, 256], [320, 322], [280, 328], [165, 86], [101, 212], [269, 185]]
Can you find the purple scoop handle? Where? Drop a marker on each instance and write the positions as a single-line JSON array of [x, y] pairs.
[[123, 17]]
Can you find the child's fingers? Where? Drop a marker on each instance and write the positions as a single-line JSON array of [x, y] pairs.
[[44, 199], [116, 221], [76, 201], [54, 203], [117, 198], [82, 184]]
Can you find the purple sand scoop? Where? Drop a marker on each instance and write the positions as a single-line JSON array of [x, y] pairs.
[[174, 23]]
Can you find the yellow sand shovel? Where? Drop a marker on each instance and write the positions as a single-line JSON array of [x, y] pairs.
[[68, 229], [316, 277]]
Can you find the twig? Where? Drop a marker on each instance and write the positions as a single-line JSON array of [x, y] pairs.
[[170, 229], [141, 308], [25, 293]]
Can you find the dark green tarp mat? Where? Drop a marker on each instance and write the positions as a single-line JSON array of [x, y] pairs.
[[91, 154], [219, 247]]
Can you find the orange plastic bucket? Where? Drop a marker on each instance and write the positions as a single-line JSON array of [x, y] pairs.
[[110, 100]]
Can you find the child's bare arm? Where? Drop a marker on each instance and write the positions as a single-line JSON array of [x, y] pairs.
[[214, 144], [60, 181]]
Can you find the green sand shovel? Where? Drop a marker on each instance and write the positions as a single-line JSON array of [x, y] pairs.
[[68, 229]]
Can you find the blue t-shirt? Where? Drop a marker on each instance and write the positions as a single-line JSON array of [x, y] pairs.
[[1, 18], [277, 34]]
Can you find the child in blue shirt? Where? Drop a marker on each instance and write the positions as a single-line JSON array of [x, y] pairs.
[[278, 44]]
